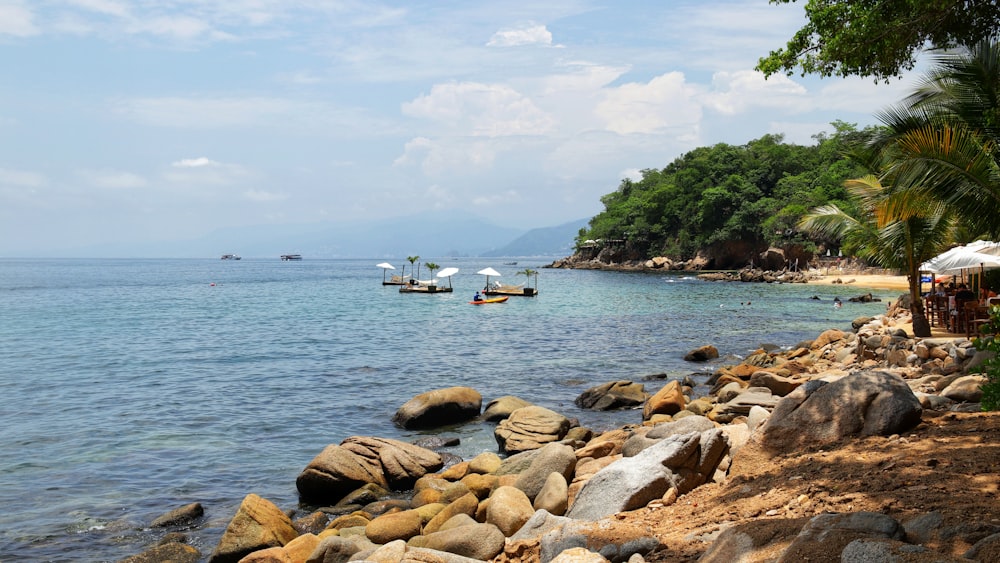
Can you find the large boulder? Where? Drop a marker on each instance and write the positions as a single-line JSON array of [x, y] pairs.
[[612, 395], [551, 458], [680, 461], [825, 536], [862, 404], [439, 407], [501, 407], [668, 400], [530, 428], [509, 508], [258, 524], [477, 541], [358, 460], [702, 354]]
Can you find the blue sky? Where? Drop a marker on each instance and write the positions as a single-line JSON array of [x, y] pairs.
[[151, 120]]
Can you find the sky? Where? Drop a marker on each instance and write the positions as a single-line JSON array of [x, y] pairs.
[[160, 120]]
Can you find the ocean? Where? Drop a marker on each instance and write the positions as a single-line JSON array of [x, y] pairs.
[[131, 387]]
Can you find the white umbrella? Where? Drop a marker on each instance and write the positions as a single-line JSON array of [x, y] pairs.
[[447, 273], [385, 267], [958, 259], [488, 272]]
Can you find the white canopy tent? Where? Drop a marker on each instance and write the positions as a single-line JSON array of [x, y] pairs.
[[960, 258]]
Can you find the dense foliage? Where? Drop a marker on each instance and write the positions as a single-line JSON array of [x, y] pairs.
[[878, 39], [991, 367], [755, 193]]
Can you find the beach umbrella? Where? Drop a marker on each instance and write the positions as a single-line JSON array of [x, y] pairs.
[[488, 272], [447, 273], [959, 259], [385, 267]]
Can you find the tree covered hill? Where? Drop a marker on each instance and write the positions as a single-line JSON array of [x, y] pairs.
[[724, 203]]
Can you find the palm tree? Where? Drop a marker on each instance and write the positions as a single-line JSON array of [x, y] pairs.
[[899, 230], [948, 136], [432, 266], [413, 259], [527, 273]]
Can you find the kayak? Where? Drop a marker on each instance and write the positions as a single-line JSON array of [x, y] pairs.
[[490, 300]]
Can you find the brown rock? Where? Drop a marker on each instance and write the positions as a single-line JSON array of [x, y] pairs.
[[668, 400], [396, 526], [258, 524], [439, 407], [530, 428]]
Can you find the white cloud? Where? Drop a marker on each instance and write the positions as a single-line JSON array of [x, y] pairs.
[[194, 162], [21, 178], [109, 7], [448, 157], [736, 92], [472, 108], [112, 179], [527, 34], [633, 174], [263, 196], [16, 20], [665, 102]]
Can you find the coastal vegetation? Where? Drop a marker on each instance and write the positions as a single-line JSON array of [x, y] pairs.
[[711, 197]]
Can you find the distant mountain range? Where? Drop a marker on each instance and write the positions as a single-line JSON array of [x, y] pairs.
[[428, 234]]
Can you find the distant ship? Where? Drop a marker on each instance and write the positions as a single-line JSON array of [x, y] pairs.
[[230, 256], [291, 257]]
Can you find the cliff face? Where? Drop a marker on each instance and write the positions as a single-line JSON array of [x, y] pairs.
[[726, 255]]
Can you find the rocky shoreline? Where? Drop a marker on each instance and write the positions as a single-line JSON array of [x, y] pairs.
[[744, 467]]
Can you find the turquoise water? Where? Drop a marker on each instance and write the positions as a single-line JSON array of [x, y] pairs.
[[130, 387]]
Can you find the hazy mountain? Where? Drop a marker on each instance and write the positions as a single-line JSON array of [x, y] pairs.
[[546, 241], [427, 234]]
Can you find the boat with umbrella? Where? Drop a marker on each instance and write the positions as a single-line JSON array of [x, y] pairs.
[[501, 289], [430, 286]]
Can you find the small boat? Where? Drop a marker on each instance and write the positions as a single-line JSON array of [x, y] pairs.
[[291, 257], [490, 300], [230, 256]]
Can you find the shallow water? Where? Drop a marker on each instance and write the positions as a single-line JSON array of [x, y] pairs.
[[131, 387]]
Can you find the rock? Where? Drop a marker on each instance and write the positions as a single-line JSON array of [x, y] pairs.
[[358, 460], [529, 428], [778, 385], [509, 509], [702, 354], [668, 400], [439, 407], [258, 524], [966, 389], [554, 496], [465, 505], [579, 555], [486, 462], [682, 426], [180, 516], [829, 534], [612, 395], [826, 337], [312, 523], [436, 442], [680, 461], [862, 404], [986, 549], [175, 552], [757, 540], [500, 408], [557, 458], [269, 555], [477, 541], [339, 548], [302, 547], [394, 526]]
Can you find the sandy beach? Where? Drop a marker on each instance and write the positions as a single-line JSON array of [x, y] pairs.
[[864, 280]]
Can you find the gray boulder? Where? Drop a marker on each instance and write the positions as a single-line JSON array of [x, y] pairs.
[[828, 535], [439, 407], [476, 541], [551, 458], [680, 461], [862, 404], [501, 407]]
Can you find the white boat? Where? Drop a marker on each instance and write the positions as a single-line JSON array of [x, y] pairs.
[[230, 256]]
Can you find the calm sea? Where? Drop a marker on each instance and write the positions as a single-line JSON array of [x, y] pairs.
[[131, 387]]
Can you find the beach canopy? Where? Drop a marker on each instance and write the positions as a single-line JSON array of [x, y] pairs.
[[977, 255], [385, 266], [489, 272], [447, 272]]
